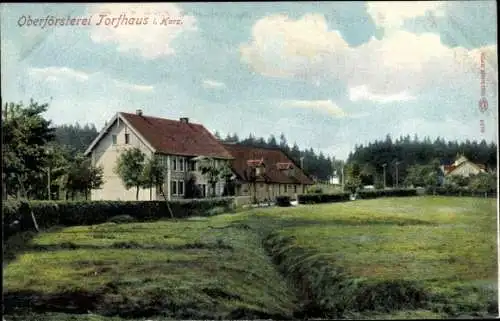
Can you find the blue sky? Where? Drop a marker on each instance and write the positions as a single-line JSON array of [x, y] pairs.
[[327, 74]]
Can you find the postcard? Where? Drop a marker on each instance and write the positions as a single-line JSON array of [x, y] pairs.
[[250, 160]]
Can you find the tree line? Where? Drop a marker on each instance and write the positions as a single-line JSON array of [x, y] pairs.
[[411, 161]]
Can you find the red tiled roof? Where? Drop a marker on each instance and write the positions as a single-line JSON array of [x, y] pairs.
[[449, 168], [175, 137], [271, 158]]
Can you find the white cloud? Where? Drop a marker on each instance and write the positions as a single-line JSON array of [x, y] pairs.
[[391, 14], [401, 62], [58, 73], [208, 83], [363, 93], [149, 39], [301, 41], [134, 87], [322, 105]]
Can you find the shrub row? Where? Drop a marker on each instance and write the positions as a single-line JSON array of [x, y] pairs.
[[368, 194], [457, 191], [322, 198], [64, 213], [283, 201]]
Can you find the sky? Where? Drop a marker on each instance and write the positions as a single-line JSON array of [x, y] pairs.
[[329, 75]]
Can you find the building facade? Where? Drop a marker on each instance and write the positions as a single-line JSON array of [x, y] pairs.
[[177, 143]]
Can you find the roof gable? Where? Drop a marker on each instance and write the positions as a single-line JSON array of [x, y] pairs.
[[171, 137]]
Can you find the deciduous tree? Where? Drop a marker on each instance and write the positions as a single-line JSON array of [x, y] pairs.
[[130, 167]]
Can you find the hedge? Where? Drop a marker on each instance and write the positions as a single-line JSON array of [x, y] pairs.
[[64, 213], [368, 194], [322, 198], [283, 201], [458, 191]]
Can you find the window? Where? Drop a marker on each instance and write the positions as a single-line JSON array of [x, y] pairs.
[[295, 188], [181, 188], [174, 163], [114, 139], [286, 188], [127, 138], [181, 164], [191, 165], [173, 187]]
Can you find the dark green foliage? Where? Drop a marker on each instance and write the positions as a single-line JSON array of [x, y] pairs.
[[75, 137], [414, 151], [322, 198], [62, 213], [192, 189], [130, 168], [369, 194], [458, 191], [283, 201], [25, 134]]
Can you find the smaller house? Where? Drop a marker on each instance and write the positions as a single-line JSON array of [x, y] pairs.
[[264, 173], [463, 167]]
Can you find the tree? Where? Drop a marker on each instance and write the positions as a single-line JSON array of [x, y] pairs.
[[353, 179], [215, 173], [192, 189], [271, 142], [209, 168], [83, 176], [153, 175], [25, 135], [130, 167], [483, 183], [226, 174]]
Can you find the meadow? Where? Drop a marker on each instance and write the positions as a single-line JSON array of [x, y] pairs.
[[406, 257]]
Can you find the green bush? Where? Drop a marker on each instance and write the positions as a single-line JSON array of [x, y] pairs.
[[283, 200], [322, 198], [457, 191], [63, 213], [315, 190], [370, 194]]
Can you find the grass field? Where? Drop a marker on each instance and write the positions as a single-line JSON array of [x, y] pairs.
[[250, 264]]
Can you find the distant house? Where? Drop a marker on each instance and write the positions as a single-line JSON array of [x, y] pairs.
[[180, 144], [266, 172], [463, 167], [176, 142]]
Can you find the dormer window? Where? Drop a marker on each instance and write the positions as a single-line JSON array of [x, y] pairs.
[[257, 165], [284, 166]]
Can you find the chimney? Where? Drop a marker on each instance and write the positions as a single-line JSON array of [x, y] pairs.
[[139, 112], [184, 120]]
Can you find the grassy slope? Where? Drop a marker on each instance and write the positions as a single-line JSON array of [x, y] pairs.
[[445, 243], [203, 271]]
